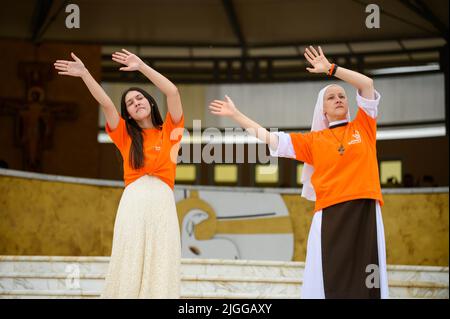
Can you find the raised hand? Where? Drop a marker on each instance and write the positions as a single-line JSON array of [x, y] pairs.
[[72, 68], [223, 108], [132, 61], [317, 59]]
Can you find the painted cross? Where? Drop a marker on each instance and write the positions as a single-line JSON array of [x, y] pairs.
[[35, 116]]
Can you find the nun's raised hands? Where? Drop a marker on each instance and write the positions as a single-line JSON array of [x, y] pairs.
[[317, 59], [73, 68], [320, 64], [227, 108], [223, 108]]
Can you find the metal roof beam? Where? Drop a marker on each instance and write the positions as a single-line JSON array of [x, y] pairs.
[[421, 9], [40, 15], [235, 25]]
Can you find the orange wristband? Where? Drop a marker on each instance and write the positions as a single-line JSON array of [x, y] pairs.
[[331, 70]]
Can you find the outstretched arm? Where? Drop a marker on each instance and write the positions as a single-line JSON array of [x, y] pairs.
[[321, 64], [133, 63], [228, 109], [76, 68]]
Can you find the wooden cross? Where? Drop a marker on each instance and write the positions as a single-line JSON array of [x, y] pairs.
[[34, 116]]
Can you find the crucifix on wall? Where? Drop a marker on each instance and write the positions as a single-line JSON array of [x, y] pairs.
[[35, 116]]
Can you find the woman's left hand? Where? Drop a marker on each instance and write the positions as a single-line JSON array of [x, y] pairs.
[[132, 61], [317, 59]]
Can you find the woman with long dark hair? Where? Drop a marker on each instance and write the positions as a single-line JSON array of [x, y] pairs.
[[346, 255], [146, 250]]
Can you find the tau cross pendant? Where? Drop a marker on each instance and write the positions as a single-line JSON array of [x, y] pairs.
[[341, 150]]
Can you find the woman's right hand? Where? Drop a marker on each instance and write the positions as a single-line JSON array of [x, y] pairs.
[[317, 59], [223, 108], [73, 68]]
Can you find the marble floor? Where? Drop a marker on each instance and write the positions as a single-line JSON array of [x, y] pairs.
[[83, 277]]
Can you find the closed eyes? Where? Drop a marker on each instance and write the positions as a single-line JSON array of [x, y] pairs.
[[137, 97]]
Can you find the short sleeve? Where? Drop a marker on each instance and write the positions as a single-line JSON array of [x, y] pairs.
[[369, 106], [285, 147], [175, 130], [367, 114], [119, 134], [302, 143]]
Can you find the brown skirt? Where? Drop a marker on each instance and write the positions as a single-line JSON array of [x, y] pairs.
[[350, 251]]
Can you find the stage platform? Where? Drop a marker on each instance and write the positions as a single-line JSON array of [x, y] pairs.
[[83, 277]]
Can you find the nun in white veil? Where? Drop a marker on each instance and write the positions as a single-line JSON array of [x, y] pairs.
[[346, 255], [313, 286]]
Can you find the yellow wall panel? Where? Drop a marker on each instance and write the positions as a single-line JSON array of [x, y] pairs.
[[58, 218]]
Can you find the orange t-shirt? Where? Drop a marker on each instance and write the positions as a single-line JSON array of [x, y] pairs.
[[160, 150], [339, 178]]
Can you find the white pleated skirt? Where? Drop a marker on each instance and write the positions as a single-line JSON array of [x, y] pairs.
[[313, 282], [146, 249]]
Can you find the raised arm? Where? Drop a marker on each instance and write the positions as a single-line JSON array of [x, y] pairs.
[[76, 68], [133, 63], [321, 64], [228, 109]]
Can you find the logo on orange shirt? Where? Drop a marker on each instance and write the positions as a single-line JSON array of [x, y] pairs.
[[356, 138]]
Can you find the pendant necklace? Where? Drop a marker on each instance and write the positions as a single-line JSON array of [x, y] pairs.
[[341, 148]]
